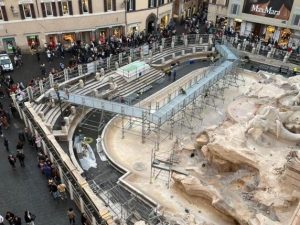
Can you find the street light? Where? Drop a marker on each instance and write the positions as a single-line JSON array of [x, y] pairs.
[[56, 89]]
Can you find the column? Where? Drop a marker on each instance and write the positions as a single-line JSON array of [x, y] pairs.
[[79, 70], [61, 174], [120, 58], [41, 86], [108, 62], [81, 204], [163, 42], [13, 96], [30, 93], [66, 74], [51, 80], [70, 190]]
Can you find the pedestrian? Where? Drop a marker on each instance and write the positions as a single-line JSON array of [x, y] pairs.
[[12, 160], [71, 215], [17, 221], [62, 191], [1, 220], [54, 190], [21, 157], [22, 138], [174, 74], [84, 220], [6, 144], [29, 218], [10, 217]]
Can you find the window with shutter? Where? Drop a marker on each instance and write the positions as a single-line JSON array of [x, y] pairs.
[[84, 6], [32, 11], [296, 20], [114, 5], [90, 6], [105, 5], [21, 9], [3, 14], [54, 9], [109, 5], [80, 6], [235, 9], [70, 8], [60, 8], [43, 9], [48, 8]]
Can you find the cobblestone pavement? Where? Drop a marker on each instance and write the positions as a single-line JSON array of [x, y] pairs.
[[26, 188]]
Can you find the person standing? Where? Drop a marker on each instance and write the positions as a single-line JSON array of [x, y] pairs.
[[1, 220], [12, 161], [10, 217], [29, 218], [71, 215], [17, 221], [5, 143], [21, 157], [84, 220], [62, 191]]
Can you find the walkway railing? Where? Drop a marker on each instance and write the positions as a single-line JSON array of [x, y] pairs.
[[111, 63]]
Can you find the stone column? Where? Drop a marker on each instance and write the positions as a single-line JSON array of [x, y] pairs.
[[66, 74], [70, 190], [81, 204], [97, 76], [81, 83], [173, 56], [41, 86], [253, 50], [116, 65], [60, 174], [51, 80], [174, 39], [79, 69], [213, 49], [129, 59], [160, 49], [182, 52], [172, 45], [163, 42], [197, 38], [13, 97], [30, 93], [239, 47], [201, 40], [102, 72], [120, 58], [163, 60], [185, 40], [285, 59], [269, 54], [205, 48], [73, 110], [108, 62], [194, 50], [67, 121]]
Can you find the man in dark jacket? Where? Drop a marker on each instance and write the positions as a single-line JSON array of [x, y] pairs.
[[21, 157]]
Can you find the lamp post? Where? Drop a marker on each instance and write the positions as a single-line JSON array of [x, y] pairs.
[[56, 89]]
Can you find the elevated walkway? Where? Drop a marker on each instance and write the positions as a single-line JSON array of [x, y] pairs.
[[166, 112]]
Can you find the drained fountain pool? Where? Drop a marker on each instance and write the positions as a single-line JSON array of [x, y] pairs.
[[133, 70]]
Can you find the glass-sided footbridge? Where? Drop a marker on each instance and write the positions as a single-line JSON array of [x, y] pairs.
[[166, 112]]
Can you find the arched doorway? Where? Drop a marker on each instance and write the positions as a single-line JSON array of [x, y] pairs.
[[151, 23]]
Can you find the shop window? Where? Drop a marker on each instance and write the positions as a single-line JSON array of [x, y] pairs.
[[33, 41], [296, 20], [235, 9]]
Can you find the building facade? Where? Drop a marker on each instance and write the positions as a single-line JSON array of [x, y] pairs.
[[277, 20], [148, 15], [31, 23], [183, 9]]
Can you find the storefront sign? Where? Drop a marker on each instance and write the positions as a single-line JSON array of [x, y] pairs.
[[277, 9]]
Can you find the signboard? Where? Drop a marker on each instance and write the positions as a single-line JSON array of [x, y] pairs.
[[277, 9]]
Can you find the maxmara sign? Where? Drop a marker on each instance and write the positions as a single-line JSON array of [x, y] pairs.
[[277, 9]]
